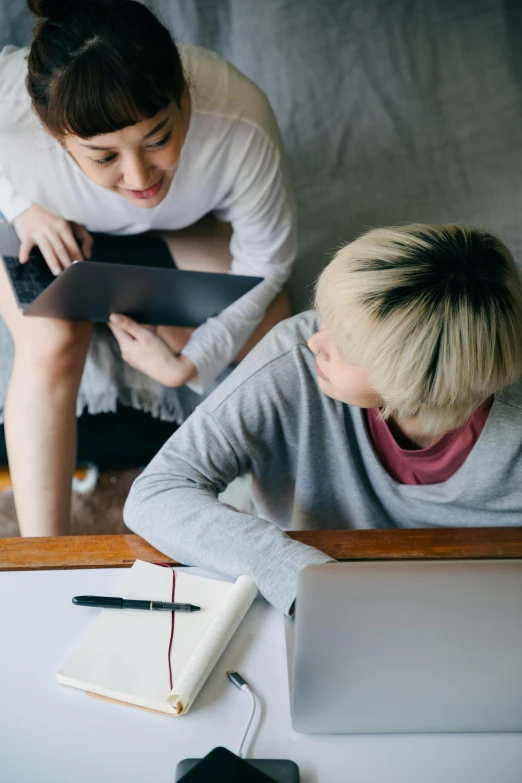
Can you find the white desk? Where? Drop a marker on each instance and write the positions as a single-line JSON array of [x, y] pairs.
[[53, 734]]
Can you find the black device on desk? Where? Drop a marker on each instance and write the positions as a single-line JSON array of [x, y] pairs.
[[221, 765], [132, 275]]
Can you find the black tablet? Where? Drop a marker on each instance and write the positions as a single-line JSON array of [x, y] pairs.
[[222, 766]]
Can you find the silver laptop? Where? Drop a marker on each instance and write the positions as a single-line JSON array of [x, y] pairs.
[[408, 647], [134, 275]]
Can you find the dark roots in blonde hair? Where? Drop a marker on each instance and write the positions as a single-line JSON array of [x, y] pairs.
[[97, 66], [433, 312]]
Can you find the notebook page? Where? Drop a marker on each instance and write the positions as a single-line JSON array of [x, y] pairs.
[[212, 644], [123, 654]]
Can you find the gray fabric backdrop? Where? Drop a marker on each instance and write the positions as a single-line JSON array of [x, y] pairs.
[[391, 110]]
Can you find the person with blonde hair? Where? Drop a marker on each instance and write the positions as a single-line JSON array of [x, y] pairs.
[[397, 404]]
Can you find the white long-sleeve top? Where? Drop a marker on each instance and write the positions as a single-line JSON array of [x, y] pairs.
[[231, 164]]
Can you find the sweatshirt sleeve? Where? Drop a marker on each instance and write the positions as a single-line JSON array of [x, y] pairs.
[[174, 503], [261, 209]]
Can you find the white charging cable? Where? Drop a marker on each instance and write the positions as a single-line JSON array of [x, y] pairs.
[[237, 680]]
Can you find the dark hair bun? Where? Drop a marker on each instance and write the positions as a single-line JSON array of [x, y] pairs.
[[46, 9]]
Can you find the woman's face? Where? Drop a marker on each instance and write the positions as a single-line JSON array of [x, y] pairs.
[[137, 162], [337, 378]]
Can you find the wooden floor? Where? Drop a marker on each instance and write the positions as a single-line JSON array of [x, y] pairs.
[[5, 479]]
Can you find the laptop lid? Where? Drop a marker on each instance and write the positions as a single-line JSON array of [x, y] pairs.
[[91, 291], [134, 275], [408, 647], [29, 280]]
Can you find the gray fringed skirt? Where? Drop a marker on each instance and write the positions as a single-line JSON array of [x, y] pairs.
[[107, 380]]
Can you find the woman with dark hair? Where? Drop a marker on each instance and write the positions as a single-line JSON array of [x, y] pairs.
[[106, 125]]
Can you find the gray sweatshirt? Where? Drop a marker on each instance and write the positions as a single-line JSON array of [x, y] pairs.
[[313, 467]]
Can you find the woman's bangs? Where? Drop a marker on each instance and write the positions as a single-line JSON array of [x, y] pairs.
[[98, 101]]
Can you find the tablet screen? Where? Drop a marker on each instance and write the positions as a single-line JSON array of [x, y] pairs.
[[221, 765]]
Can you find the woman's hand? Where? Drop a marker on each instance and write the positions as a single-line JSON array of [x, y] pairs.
[[59, 240], [146, 351]]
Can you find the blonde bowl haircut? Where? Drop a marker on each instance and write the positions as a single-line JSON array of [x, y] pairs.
[[434, 313]]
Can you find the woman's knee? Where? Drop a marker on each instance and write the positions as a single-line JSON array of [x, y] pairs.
[[52, 349], [202, 247]]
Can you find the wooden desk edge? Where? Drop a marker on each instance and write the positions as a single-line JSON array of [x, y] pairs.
[[21, 554]]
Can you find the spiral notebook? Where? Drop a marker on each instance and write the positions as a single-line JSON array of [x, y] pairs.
[[158, 660]]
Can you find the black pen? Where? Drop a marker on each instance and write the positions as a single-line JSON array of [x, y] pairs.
[[130, 603]]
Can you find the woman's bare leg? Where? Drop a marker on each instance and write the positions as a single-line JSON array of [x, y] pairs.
[[40, 414], [205, 247]]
